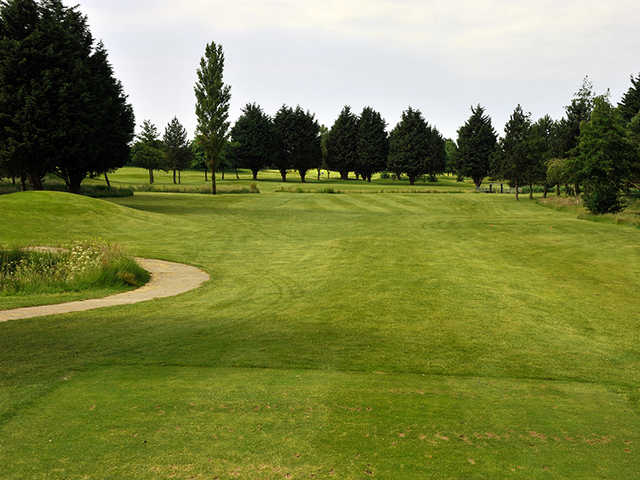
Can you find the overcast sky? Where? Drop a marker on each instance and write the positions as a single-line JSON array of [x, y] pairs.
[[438, 56]]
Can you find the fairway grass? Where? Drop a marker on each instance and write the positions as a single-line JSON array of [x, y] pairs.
[[396, 336]]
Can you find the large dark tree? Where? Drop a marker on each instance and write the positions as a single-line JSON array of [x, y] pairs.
[[373, 143], [629, 106], [61, 109], [604, 158], [514, 159], [253, 139], [409, 146], [298, 141], [342, 144], [178, 155], [212, 107], [476, 145], [634, 137], [436, 154]]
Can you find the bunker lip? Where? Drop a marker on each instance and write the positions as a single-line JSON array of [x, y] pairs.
[[168, 279]]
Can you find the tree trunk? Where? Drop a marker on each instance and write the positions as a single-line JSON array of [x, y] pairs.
[[213, 180], [237, 176], [344, 175], [577, 189], [255, 174], [530, 192], [357, 176], [222, 170], [23, 182], [546, 191], [106, 179], [558, 190], [283, 174], [412, 180], [303, 174], [13, 180], [369, 178], [174, 176], [318, 174], [36, 182], [517, 191], [205, 175], [180, 177], [150, 176]]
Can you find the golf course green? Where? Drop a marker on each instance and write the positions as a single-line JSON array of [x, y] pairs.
[[368, 334]]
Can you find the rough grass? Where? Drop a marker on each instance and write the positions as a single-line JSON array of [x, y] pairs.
[[30, 277], [342, 336]]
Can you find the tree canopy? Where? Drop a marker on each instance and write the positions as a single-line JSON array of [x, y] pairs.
[[373, 143], [409, 145], [342, 144], [253, 139], [476, 144], [629, 105], [212, 107]]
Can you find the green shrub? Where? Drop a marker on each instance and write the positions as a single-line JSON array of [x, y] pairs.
[[602, 198]]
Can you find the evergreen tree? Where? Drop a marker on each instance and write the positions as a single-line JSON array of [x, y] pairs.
[[253, 137], [436, 154], [540, 151], [604, 158], [342, 144], [324, 135], [212, 107], [177, 150], [451, 152], [408, 145], [514, 159], [629, 106], [373, 143], [148, 152], [634, 137], [298, 142], [476, 144], [61, 109], [578, 111]]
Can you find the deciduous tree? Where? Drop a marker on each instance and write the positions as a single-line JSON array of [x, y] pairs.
[[212, 107]]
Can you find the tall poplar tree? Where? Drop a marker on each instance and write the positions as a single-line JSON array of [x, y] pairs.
[[212, 107], [477, 142]]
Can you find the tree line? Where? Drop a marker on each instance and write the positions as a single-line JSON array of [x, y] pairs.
[[63, 112], [594, 150]]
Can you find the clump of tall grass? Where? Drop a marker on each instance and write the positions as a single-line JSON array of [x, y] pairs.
[[82, 267]]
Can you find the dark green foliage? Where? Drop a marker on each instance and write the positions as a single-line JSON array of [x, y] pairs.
[[61, 109], [604, 158], [436, 153], [451, 152], [253, 139], [634, 137], [212, 107], [373, 143], [514, 161], [578, 111], [298, 146], [476, 145], [342, 144], [629, 106], [409, 145], [540, 151], [178, 155], [148, 150]]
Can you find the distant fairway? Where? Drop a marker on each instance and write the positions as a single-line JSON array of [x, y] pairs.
[[387, 335]]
